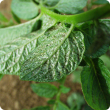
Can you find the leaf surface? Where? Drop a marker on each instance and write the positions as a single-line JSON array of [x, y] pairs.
[[64, 89], [58, 55], [61, 106], [75, 101], [14, 53], [96, 38], [44, 89], [95, 81], [70, 6], [51, 101], [106, 60], [1, 76], [99, 2], [24, 9], [3, 18], [52, 2], [13, 32], [15, 17]]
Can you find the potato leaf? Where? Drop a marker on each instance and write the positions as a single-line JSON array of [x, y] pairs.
[[64, 89], [15, 17], [106, 60], [70, 6], [44, 89], [24, 9], [96, 38], [51, 2], [13, 32], [14, 53], [75, 101], [99, 2], [61, 106], [95, 81], [59, 54]]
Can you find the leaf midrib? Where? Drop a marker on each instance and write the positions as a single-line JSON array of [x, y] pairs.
[[93, 66], [67, 35]]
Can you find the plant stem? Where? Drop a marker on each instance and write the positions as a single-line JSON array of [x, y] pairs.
[[59, 92], [78, 18]]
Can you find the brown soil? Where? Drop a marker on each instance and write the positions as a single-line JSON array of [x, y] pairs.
[[16, 94], [5, 8]]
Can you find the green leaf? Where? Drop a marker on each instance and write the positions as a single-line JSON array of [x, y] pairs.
[[24, 9], [3, 18], [83, 63], [51, 2], [44, 89], [13, 32], [15, 52], [61, 106], [52, 101], [99, 2], [1, 76], [86, 107], [59, 54], [106, 22], [95, 81], [96, 38], [75, 101], [70, 6], [64, 89], [106, 60], [15, 17], [76, 75], [6, 24]]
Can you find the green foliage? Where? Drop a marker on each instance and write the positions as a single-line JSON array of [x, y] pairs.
[[52, 45], [106, 60], [10, 33], [99, 2], [64, 89], [4, 22], [47, 62], [1, 76], [96, 38], [67, 6], [14, 53], [15, 18], [44, 89], [50, 2], [52, 101], [74, 102], [61, 106], [3, 18], [95, 80], [24, 9], [76, 75]]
